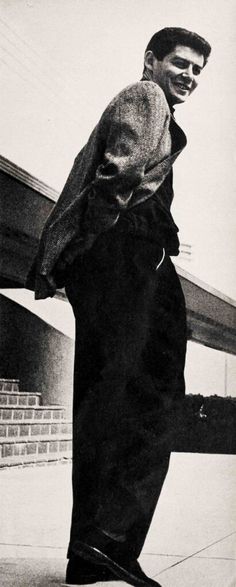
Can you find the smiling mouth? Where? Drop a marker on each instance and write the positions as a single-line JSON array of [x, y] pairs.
[[182, 87]]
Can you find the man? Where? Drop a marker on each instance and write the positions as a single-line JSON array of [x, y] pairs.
[[109, 240]]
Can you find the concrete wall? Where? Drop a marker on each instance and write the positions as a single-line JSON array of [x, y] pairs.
[[210, 372], [23, 212], [36, 353]]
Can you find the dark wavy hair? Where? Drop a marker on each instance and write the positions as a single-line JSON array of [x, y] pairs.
[[164, 42]]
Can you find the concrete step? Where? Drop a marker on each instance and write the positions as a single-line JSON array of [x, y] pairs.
[[13, 431], [9, 384], [27, 450], [19, 398], [30, 459], [29, 432], [34, 413]]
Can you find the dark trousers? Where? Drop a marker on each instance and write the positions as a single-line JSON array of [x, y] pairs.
[[128, 376]]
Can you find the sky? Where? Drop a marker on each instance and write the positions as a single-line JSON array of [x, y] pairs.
[[61, 63]]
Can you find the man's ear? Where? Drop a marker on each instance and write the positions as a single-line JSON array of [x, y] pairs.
[[149, 60]]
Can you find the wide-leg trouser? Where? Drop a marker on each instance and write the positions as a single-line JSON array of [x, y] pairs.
[[128, 376]]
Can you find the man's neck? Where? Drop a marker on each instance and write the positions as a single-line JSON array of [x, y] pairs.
[[147, 75]]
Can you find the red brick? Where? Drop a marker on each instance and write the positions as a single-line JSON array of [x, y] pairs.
[[56, 414], [6, 414], [53, 446], [22, 400], [7, 450], [28, 414], [32, 400], [3, 430], [31, 448], [38, 414], [18, 415], [44, 429], [63, 445], [12, 399], [13, 430], [66, 429], [55, 428], [47, 414], [3, 399], [35, 429], [19, 449], [24, 430], [42, 447]]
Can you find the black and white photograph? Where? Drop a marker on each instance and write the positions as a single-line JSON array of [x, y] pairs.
[[117, 293]]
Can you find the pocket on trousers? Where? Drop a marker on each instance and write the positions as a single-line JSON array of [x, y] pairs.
[[148, 257], [161, 260]]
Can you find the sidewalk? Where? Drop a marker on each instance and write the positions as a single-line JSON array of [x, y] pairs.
[[191, 543]]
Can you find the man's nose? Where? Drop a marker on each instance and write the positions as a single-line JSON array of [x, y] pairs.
[[187, 78], [188, 74]]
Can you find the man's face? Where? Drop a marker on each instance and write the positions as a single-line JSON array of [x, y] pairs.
[[178, 73]]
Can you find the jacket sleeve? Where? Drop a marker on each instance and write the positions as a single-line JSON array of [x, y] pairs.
[[133, 125]]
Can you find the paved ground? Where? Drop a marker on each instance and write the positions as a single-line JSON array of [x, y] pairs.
[[191, 543]]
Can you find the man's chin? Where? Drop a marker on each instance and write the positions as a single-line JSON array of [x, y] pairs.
[[179, 99]]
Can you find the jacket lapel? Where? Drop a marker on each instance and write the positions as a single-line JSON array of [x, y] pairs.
[[157, 175]]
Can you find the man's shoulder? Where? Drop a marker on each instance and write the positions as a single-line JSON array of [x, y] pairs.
[[145, 90]]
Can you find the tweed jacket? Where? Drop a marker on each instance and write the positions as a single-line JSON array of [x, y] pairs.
[[126, 159]]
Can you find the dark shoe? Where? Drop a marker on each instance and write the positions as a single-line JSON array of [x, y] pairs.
[[124, 570], [82, 572]]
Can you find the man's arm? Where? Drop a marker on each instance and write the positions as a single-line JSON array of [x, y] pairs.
[[130, 130], [133, 125]]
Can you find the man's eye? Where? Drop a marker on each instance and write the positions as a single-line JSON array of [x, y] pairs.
[[180, 64], [196, 70]]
